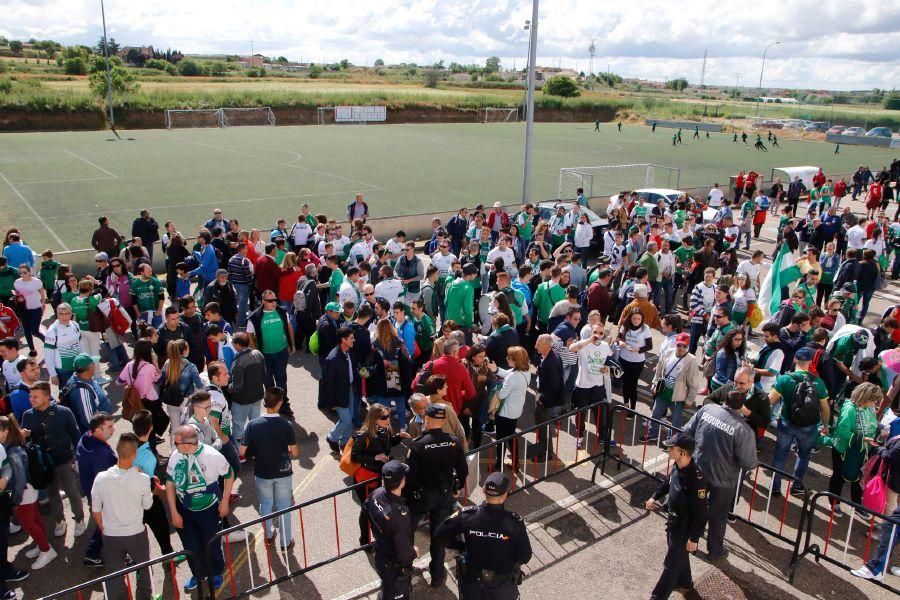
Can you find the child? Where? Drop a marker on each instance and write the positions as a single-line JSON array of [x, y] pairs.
[[49, 269], [182, 281], [218, 346]]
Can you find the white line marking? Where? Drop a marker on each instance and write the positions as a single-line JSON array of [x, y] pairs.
[[39, 181], [34, 212], [289, 165], [95, 165]]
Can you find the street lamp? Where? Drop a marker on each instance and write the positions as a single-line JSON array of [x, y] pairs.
[[761, 69], [109, 92], [529, 102]]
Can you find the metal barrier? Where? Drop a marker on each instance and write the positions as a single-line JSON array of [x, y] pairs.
[[171, 573], [523, 465], [861, 541]]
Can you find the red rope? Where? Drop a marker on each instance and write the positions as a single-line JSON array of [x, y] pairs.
[[303, 539], [337, 531], [230, 566]]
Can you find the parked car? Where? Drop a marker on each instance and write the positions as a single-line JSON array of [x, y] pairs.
[[815, 127], [880, 132], [837, 129], [769, 124], [547, 209], [854, 131]]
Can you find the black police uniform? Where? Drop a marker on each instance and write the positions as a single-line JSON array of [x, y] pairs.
[[495, 545], [394, 551], [437, 469], [688, 500]]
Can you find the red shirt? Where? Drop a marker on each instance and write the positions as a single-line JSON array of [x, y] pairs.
[[287, 285], [751, 177], [9, 322], [875, 191], [840, 188], [819, 179], [267, 274], [739, 182], [459, 385]]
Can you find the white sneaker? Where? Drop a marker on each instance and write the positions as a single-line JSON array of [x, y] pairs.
[[14, 528], [33, 553], [80, 527], [895, 571], [60, 529], [237, 536], [865, 573], [579, 443], [44, 559]]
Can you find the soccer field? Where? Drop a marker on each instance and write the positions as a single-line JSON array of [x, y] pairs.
[[54, 185]]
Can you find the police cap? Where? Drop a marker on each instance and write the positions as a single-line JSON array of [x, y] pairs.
[[393, 472], [681, 440], [496, 484]]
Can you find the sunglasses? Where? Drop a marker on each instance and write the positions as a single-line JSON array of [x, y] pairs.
[[268, 299], [384, 418], [681, 345]]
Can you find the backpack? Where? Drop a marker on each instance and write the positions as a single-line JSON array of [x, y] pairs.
[[171, 394], [804, 409], [118, 321], [783, 316], [418, 384], [40, 466], [300, 296], [816, 360]]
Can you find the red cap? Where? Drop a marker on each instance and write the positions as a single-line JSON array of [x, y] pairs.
[[683, 338]]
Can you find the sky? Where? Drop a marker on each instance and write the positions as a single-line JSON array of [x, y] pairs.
[[824, 44]]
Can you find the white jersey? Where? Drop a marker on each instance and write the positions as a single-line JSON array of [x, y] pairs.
[[442, 262], [390, 289], [300, 233], [715, 197], [591, 359], [752, 272]]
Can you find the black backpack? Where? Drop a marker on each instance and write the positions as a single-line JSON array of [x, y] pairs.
[[40, 466], [170, 394], [805, 407]]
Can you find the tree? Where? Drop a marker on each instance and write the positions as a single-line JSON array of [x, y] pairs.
[[114, 46], [218, 68], [345, 65], [134, 57], [282, 60], [99, 63], [190, 68], [678, 85], [492, 64], [3, 41], [610, 79], [123, 82], [561, 86], [431, 78], [439, 64], [158, 64], [15, 47], [75, 66], [379, 62], [892, 101], [315, 71]]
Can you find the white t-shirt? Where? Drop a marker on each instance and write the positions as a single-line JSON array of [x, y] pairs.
[[389, 289], [715, 197], [394, 247], [11, 372], [300, 233], [876, 245], [672, 369], [666, 262], [121, 497], [508, 256], [635, 338], [31, 291], [773, 363], [591, 359], [856, 237], [752, 272], [442, 262]]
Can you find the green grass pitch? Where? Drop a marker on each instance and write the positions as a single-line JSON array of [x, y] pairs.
[[54, 185]]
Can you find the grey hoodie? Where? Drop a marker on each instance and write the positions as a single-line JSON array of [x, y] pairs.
[[725, 444]]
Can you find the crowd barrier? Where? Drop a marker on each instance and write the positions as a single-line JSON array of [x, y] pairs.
[[160, 580], [842, 537]]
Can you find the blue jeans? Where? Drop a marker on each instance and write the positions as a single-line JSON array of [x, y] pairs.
[[276, 370], [697, 330], [866, 298], [31, 326], [660, 408], [668, 295], [786, 435], [241, 414], [742, 233], [199, 528], [879, 561], [64, 377], [398, 406], [274, 495], [343, 429], [292, 317], [242, 290]]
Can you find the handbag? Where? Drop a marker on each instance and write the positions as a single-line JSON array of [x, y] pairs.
[[347, 465], [874, 496], [314, 343], [709, 368], [658, 386], [131, 402]]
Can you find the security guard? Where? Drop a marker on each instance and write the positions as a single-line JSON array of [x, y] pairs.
[[688, 491], [437, 470], [494, 543], [393, 528]]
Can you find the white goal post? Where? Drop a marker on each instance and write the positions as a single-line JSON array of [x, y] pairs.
[[219, 117], [612, 179], [493, 114]]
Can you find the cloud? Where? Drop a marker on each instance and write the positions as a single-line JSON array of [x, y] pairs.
[[824, 43]]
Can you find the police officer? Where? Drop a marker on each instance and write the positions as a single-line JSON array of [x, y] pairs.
[[687, 504], [393, 528], [494, 543], [437, 470]]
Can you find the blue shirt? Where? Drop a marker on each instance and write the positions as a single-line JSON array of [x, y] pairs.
[[18, 254], [146, 460], [209, 264], [526, 291], [19, 400], [407, 332], [182, 287]]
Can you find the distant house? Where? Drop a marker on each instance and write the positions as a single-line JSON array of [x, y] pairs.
[[144, 52], [257, 60]]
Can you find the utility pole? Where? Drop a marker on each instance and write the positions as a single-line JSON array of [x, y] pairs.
[[761, 69], [703, 72], [529, 103], [592, 50], [109, 90]]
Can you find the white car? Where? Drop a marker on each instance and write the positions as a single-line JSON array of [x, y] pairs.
[[548, 208], [653, 195], [854, 131]]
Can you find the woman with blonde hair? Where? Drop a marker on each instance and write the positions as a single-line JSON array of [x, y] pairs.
[[851, 439], [512, 394], [392, 372], [180, 379], [371, 449]]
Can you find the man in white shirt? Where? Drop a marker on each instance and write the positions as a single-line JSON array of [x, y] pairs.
[[396, 245], [715, 196], [856, 235], [9, 352], [389, 287], [772, 356], [349, 289], [752, 268], [360, 251], [590, 383], [666, 262], [442, 259], [119, 497], [300, 233], [502, 250]]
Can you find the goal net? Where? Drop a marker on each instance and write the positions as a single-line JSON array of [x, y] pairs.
[[232, 117], [199, 117], [612, 179], [498, 115]]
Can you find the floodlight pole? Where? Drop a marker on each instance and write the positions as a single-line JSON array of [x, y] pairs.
[[109, 94], [761, 69], [529, 104]]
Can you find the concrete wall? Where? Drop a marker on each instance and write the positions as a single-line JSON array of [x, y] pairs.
[[858, 140], [686, 125]]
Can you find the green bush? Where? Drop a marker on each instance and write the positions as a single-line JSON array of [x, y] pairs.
[[75, 66], [189, 68], [315, 71], [217, 68], [5, 86], [561, 86], [431, 78], [123, 82], [158, 64], [256, 72], [892, 102], [99, 63]]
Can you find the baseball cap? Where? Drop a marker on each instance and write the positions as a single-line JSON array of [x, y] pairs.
[[436, 411], [333, 306], [849, 287], [496, 484], [101, 256], [221, 272], [83, 361], [683, 338], [393, 472], [861, 338], [804, 354], [682, 440]]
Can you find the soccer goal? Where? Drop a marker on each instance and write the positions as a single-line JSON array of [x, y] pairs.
[[197, 117], [612, 179], [232, 117], [493, 114]]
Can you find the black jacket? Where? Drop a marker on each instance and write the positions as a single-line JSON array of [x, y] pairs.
[[248, 377], [335, 384], [551, 382], [54, 430], [146, 229], [498, 343], [225, 296], [182, 332], [795, 190], [758, 403], [327, 329], [365, 449]]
